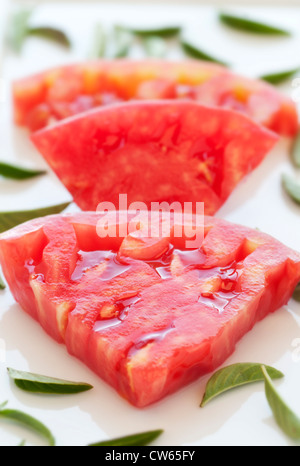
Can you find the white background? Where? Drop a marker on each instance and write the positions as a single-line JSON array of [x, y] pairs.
[[242, 417]]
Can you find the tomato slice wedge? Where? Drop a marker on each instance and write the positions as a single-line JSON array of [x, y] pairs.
[[59, 93], [154, 151], [146, 324]]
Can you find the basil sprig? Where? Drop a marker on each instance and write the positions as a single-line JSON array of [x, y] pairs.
[[279, 78], [20, 29], [234, 376], [249, 25], [8, 170], [37, 383], [9, 220], [123, 41], [291, 187], [136, 440], [166, 32], [50, 33], [195, 52], [286, 419], [155, 47], [27, 421], [99, 42]]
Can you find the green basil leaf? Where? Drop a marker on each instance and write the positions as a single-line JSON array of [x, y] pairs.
[[18, 29], [296, 151], [155, 46], [291, 187], [136, 440], [9, 220], [37, 383], [2, 284], [169, 31], [11, 171], [279, 78], [99, 42], [50, 33], [27, 421], [286, 419], [199, 54], [249, 25], [234, 376], [296, 294]]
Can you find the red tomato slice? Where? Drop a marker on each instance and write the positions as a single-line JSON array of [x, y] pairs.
[[154, 151], [147, 326], [69, 90]]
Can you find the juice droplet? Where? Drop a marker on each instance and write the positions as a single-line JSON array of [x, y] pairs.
[[30, 266], [88, 260], [122, 308], [162, 264], [191, 257], [150, 338], [114, 269], [221, 297], [104, 324], [217, 301]]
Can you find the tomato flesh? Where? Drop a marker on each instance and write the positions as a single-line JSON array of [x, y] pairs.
[[154, 152], [73, 89], [150, 325]]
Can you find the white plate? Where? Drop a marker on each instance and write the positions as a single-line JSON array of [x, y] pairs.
[[241, 417]]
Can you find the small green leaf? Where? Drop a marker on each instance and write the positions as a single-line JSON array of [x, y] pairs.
[[249, 25], [234, 376], [37, 383], [136, 440], [291, 187], [296, 294], [155, 46], [2, 284], [123, 41], [9, 220], [99, 42], [279, 78], [296, 151], [288, 422], [2, 405], [11, 171], [18, 29], [27, 421], [166, 32], [50, 33], [195, 52]]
